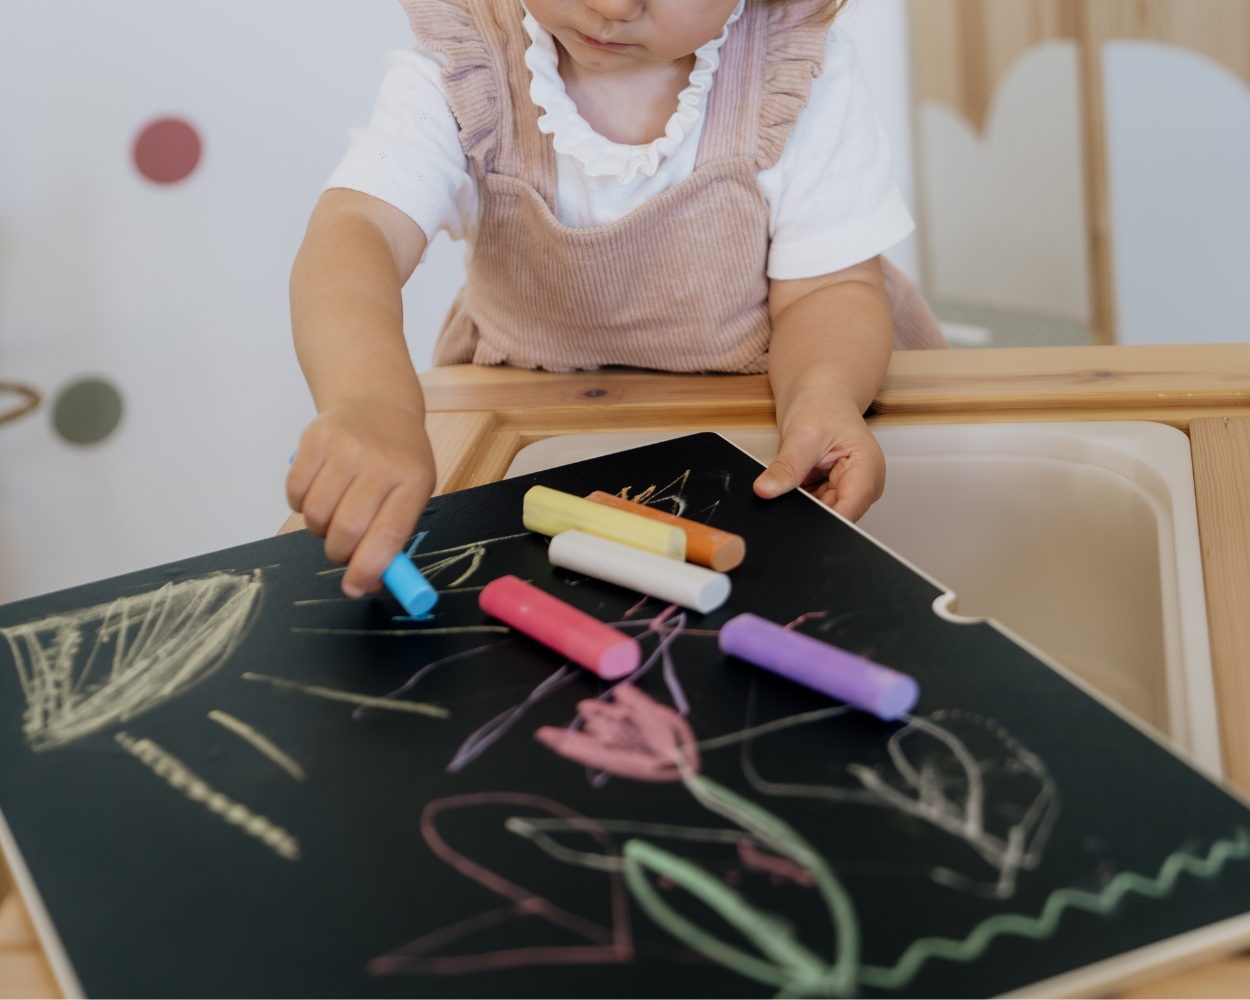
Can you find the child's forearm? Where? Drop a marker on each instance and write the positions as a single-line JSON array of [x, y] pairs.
[[364, 468], [346, 305], [831, 336], [831, 344]]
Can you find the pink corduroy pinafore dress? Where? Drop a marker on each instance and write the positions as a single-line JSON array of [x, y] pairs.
[[679, 284]]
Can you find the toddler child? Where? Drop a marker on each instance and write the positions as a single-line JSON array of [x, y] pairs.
[[686, 185]]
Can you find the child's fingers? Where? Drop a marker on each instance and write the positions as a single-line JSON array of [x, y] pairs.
[[385, 536], [323, 495], [856, 483], [354, 512], [304, 468], [852, 496], [801, 449]]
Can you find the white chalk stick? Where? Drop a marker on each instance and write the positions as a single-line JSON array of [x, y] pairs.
[[676, 582]]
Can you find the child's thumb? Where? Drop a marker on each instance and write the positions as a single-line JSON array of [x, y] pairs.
[[789, 469]]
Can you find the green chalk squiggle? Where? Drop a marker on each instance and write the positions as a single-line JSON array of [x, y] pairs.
[[1039, 928], [798, 972]]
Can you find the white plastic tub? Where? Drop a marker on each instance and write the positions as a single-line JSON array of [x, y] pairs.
[[1079, 538]]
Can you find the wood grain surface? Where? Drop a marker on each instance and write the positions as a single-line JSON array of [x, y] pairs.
[[1226, 977], [1072, 383], [455, 437], [1221, 457], [24, 970], [1185, 378], [607, 399]]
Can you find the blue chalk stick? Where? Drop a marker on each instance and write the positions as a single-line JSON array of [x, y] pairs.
[[405, 581], [410, 588]]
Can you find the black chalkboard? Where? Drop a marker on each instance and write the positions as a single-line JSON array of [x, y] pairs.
[[1015, 828]]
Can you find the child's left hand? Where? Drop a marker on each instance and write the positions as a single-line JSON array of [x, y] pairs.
[[827, 448], [832, 337]]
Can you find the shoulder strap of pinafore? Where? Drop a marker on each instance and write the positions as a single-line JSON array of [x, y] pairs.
[[773, 53], [487, 86]]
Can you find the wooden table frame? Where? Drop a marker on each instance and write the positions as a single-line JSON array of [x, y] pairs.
[[479, 418]]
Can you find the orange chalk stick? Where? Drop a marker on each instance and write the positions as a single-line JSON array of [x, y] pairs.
[[718, 550]]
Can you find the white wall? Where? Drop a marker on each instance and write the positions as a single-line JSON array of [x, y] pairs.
[[1005, 211], [1178, 131], [176, 294]]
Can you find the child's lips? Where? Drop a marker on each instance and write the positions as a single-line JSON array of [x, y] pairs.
[[595, 43]]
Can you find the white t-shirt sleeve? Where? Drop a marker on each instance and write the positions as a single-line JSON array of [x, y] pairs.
[[409, 155], [832, 195]]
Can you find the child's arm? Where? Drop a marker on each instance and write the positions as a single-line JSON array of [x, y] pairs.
[[831, 343], [364, 469]]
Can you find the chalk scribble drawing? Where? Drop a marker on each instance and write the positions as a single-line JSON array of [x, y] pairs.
[[351, 697], [646, 741], [956, 771], [468, 558], [937, 778], [82, 671], [673, 495], [674, 498], [933, 775], [408, 633], [259, 742], [605, 945], [181, 778], [667, 627], [946, 784]]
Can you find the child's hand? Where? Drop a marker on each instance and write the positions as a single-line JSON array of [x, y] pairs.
[[827, 448], [362, 475]]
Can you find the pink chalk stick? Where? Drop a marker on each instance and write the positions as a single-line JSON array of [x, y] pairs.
[[572, 633], [885, 693]]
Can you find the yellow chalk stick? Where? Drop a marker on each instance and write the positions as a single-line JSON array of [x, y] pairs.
[[550, 512]]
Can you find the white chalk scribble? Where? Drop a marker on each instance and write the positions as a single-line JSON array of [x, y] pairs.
[[935, 776], [84, 670], [258, 741], [178, 776], [351, 697]]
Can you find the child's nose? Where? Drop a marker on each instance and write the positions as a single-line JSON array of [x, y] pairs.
[[618, 10]]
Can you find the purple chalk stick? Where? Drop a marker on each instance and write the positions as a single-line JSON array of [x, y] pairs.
[[885, 693]]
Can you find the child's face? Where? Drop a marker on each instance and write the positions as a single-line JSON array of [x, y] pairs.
[[615, 34]]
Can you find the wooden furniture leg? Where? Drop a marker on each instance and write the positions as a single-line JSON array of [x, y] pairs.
[[1221, 457], [24, 970]]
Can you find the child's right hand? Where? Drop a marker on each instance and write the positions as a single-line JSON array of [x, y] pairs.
[[361, 477]]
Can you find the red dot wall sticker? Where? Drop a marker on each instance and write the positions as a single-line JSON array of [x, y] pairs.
[[167, 150]]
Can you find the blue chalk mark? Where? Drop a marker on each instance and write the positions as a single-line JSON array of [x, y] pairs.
[[412, 549]]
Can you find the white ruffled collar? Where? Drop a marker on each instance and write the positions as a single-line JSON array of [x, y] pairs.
[[572, 134]]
